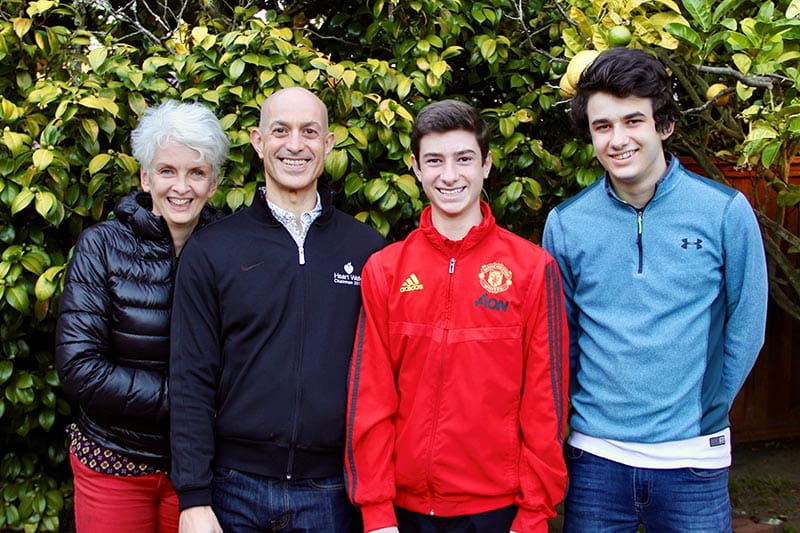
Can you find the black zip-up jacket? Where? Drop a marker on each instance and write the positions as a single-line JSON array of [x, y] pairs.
[[112, 338], [262, 334]]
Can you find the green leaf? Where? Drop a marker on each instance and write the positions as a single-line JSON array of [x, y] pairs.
[[21, 26], [6, 368], [236, 69], [488, 48], [55, 500], [408, 185], [684, 33], [769, 152], [742, 62], [91, 128], [234, 199], [295, 72], [127, 162], [14, 141], [98, 162], [514, 191], [17, 297], [507, 126], [45, 201], [352, 184], [21, 200], [97, 57], [725, 8], [793, 11], [336, 164], [375, 188], [359, 135], [700, 11], [35, 261], [46, 419], [42, 158], [787, 198]]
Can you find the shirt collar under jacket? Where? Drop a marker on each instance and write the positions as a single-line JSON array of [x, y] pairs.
[[289, 221]]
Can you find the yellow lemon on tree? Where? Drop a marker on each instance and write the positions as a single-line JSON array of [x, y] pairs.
[[619, 36], [565, 89], [714, 90], [578, 64]]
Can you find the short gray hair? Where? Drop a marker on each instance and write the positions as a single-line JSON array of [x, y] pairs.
[[190, 124]]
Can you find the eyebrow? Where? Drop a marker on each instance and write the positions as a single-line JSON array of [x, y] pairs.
[[635, 114], [458, 153], [312, 123]]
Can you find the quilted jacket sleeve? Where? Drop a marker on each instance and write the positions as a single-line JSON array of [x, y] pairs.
[[88, 373]]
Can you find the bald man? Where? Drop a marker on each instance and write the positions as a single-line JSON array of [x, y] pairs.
[[265, 309]]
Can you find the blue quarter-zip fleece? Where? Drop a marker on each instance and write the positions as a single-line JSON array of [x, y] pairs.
[[666, 306]]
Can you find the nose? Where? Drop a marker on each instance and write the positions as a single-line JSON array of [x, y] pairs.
[[449, 171], [620, 137], [181, 183], [295, 141]]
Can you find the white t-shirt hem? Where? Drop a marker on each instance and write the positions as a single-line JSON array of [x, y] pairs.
[[705, 451]]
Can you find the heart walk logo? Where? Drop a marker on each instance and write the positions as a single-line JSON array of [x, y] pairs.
[[347, 277]]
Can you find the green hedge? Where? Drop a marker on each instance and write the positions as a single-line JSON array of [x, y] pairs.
[[69, 99]]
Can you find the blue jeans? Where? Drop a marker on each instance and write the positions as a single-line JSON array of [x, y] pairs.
[[246, 503], [605, 496]]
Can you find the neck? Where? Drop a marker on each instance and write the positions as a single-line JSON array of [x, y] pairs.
[[180, 235], [637, 194], [455, 228], [296, 202]]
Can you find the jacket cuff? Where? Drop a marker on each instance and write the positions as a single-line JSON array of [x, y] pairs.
[[378, 515], [529, 522], [194, 498]]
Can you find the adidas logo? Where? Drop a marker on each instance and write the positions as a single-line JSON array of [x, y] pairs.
[[411, 284]]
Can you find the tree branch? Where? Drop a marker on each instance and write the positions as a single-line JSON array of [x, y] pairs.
[[765, 82]]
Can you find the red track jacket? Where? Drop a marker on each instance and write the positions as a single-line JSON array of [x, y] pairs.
[[458, 382]]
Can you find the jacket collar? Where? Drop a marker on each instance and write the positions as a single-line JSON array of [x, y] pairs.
[[668, 182], [136, 210], [474, 236]]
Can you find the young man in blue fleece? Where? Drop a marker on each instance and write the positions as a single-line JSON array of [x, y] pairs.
[[666, 290]]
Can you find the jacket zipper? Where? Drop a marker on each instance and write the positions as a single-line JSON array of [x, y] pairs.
[[298, 366], [639, 224], [439, 382]]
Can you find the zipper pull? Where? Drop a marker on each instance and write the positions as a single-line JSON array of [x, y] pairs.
[[452, 265], [302, 253]]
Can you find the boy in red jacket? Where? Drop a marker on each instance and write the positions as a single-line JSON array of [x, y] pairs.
[[458, 382]]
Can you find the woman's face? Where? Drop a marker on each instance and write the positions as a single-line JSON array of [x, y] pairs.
[[180, 185]]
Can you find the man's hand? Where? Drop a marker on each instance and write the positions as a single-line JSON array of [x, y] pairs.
[[392, 529], [199, 520]]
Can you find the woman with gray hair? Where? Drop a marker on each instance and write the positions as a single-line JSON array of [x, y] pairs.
[[112, 339]]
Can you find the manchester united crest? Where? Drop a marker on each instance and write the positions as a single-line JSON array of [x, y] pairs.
[[495, 277]]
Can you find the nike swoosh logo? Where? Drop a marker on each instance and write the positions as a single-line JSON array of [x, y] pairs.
[[248, 268]]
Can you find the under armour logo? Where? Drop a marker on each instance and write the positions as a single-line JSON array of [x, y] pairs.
[[698, 244]]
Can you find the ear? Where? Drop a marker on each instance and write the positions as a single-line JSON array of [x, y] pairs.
[[415, 167], [487, 164], [669, 130], [144, 180], [256, 138], [329, 142]]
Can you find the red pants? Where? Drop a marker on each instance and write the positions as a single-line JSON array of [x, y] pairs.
[[123, 504]]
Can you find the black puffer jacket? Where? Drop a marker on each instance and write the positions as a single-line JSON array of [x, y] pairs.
[[112, 340]]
